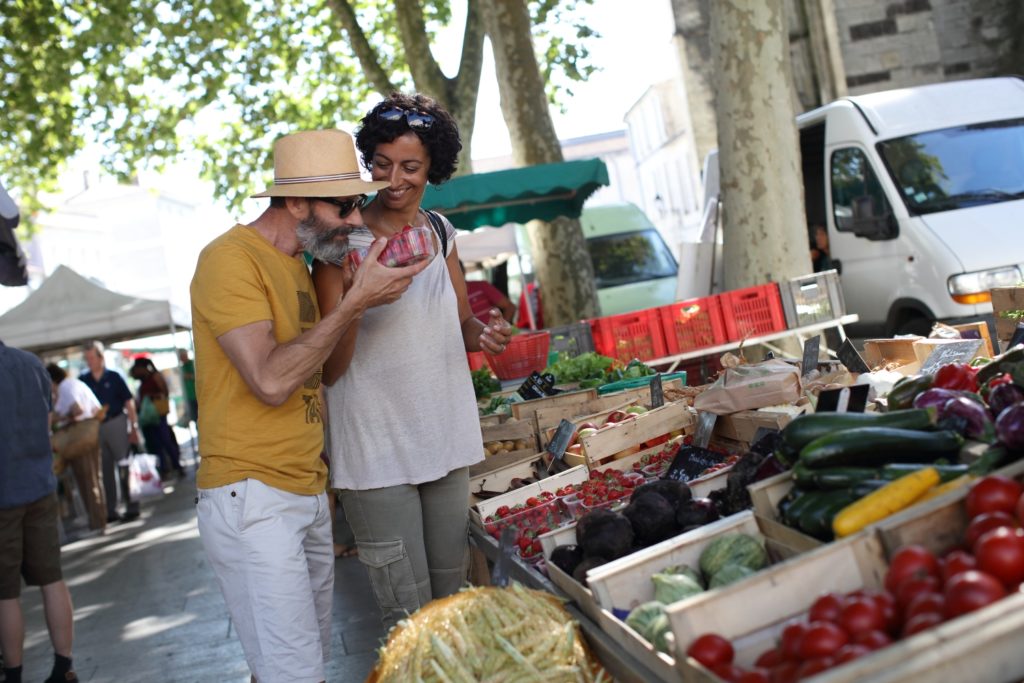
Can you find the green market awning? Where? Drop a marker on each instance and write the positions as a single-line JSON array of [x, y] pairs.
[[518, 195]]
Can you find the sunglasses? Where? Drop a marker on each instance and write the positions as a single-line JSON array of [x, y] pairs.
[[345, 206], [415, 119]]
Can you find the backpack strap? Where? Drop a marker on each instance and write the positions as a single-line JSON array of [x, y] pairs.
[[439, 228]]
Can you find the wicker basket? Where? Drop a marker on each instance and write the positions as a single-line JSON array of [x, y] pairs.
[[526, 353]]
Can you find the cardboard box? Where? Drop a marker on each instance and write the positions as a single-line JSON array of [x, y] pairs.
[[742, 426], [1007, 302]]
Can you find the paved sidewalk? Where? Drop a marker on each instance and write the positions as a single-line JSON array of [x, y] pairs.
[[147, 607]]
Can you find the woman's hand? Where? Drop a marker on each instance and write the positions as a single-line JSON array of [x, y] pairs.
[[496, 334]]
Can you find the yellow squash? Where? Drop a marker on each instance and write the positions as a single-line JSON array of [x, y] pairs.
[[887, 500]]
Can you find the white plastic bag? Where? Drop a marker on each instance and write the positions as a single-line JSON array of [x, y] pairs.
[[144, 477]]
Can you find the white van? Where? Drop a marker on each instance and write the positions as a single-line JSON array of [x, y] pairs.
[[921, 190]]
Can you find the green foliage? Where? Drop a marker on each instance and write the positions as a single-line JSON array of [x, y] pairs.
[[484, 383], [217, 80], [560, 37]]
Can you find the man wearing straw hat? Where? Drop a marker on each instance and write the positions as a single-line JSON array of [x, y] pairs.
[[260, 343]]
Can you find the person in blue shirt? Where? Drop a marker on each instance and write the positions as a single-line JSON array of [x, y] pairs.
[[119, 430], [29, 539]]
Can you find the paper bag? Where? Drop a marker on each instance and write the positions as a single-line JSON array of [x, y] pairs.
[[749, 387]]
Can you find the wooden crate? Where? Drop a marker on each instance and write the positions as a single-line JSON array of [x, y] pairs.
[[752, 613], [525, 409], [500, 461], [609, 441], [482, 509], [500, 479], [625, 583], [766, 494], [983, 645], [1007, 301], [987, 347], [597, 411]]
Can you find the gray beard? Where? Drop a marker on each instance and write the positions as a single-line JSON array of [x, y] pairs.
[[319, 240]]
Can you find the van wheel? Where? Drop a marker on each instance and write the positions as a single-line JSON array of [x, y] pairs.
[[914, 324]]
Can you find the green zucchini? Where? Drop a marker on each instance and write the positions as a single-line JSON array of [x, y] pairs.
[[876, 446], [806, 428], [902, 394], [797, 507], [896, 470], [992, 458], [831, 477]]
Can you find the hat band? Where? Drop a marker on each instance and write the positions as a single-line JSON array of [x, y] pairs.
[[316, 178]]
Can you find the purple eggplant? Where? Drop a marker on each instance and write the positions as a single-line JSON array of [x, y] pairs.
[[970, 417], [1002, 396], [935, 398], [1010, 427]]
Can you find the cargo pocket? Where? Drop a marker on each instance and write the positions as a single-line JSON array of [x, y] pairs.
[[392, 578]]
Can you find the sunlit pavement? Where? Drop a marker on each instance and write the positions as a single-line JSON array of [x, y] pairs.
[[147, 607]]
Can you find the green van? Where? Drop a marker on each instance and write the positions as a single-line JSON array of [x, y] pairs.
[[633, 267]]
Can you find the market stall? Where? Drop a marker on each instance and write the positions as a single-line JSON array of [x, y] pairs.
[[792, 509]]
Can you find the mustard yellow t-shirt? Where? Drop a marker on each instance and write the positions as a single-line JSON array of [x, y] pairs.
[[240, 279]]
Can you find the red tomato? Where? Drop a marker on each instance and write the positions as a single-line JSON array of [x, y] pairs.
[[994, 493], [924, 603], [986, 521], [1020, 509], [908, 562], [770, 659], [785, 672], [921, 622], [814, 666], [1000, 552], [821, 639], [791, 637], [711, 650], [956, 562], [826, 608], [728, 672], [887, 603], [860, 615], [755, 676], [873, 640], [851, 651], [971, 590], [911, 588]]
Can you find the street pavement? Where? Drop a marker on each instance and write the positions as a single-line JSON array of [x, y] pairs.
[[147, 606]]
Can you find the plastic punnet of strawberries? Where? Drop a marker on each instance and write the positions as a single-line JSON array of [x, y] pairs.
[[920, 591]]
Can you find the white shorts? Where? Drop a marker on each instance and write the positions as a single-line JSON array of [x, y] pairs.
[[272, 554]]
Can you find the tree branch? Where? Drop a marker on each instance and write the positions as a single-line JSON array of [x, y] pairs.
[[467, 83], [426, 73], [377, 77]]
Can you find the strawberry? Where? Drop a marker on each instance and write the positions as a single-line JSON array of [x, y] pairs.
[[532, 502], [502, 512]]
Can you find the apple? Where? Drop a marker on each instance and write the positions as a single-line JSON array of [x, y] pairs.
[[575, 449], [616, 416], [587, 425], [586, 431], [636, 410]]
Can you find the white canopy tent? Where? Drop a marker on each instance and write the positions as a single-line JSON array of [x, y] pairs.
[[69, 309]]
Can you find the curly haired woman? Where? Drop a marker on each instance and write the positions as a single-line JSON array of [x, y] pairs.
[[403, 421]]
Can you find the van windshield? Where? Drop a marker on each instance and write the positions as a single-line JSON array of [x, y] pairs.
[[630, 257], [959, 167]]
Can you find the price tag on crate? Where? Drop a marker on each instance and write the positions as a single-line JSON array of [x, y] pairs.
[[657, 392], [953, 352], [811, 351], [846, 400], [560, 440], [851, 359]]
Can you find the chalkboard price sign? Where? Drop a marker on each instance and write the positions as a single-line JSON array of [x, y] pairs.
[[560, 441], [657, 392], [953, 352]]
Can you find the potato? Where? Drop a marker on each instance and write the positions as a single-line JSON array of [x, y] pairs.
[[508, 445], [493, 446], [520, 444]]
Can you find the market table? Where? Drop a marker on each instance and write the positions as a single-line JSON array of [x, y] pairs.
[[620, 664], [801, 333]]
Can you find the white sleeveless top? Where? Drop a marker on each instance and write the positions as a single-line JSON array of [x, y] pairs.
[[405, 411]]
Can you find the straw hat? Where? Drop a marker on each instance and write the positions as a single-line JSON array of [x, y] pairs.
[[317, 163]]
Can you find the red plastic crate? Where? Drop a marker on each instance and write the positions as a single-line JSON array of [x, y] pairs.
[[526, 353], [630, 335], [476, 359], [752, 311], [693, 324]]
